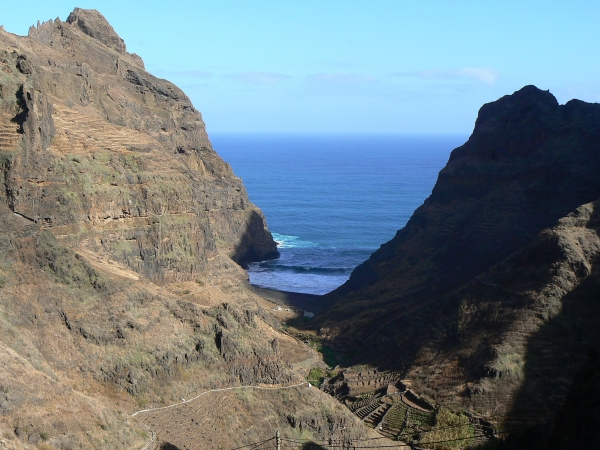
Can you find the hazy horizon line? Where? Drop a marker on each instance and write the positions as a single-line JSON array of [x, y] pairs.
[[403, 133]]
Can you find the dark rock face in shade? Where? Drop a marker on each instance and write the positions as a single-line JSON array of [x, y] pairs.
[[487, 298], [576, 424], [528, 163]]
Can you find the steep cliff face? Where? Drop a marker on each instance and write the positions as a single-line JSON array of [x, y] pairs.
[[492, 281], [528, 163], [93, 142], [120, 230]]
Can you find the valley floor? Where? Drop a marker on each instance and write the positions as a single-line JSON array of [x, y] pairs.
[[296, 300]]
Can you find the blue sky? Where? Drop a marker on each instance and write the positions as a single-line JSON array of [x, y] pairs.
[[351, 66]]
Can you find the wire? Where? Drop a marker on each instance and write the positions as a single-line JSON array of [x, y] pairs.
[[253, 445], [345, 445], [339, 443], [259, 445], [394, 436], [452, 440], [303, 441], [435, 442]]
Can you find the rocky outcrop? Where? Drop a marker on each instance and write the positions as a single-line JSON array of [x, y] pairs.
[[92, 23], [492, 282]]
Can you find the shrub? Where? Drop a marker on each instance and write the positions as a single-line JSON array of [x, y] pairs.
[[316, 376]]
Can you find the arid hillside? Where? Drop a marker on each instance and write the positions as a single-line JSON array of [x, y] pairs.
[[487, 300], [121, 238]]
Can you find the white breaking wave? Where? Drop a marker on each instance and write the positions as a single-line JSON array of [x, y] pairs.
[[285, 241]]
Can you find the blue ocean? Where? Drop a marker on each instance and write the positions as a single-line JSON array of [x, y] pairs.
[[331, 199]]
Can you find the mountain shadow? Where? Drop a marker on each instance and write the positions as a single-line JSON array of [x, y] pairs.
[[312, 446], [168, 446], [485, 301], [555, 353], [561, 373], [576, 424], [507, 344], [574, 427]]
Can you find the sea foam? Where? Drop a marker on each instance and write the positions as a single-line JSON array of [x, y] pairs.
[[285, 241]]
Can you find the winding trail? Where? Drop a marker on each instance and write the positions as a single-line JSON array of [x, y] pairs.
[[175, 405]]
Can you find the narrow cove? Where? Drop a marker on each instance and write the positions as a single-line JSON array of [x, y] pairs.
[[331, 199]]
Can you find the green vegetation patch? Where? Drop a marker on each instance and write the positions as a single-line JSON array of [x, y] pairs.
[[122, 249], [451, 430], [329, 355], [317, 375], [142, 401], [67, 267]]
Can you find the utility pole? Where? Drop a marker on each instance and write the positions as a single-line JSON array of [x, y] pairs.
[[278, 439]]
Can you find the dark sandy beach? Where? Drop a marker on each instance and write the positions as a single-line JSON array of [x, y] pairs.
[[306, 302]]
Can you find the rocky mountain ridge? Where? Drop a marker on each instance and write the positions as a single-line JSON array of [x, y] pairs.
[[92, 115], [485, 300]]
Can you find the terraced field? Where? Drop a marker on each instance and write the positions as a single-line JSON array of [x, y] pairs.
[[373, 397], [78, 132], [366, 410], [9, 135], [375, 417], [191, 423], [401, 416]]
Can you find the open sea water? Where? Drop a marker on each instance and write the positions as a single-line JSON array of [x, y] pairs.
[[331, 199]]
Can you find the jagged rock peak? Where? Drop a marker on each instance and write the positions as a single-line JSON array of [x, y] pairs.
[[94, 24], [528, 102]]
